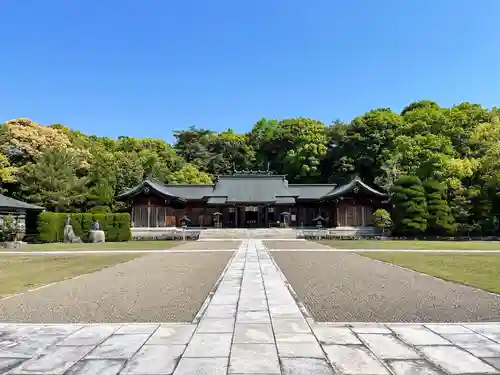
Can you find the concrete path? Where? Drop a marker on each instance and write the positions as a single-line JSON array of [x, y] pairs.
[[252, 325]]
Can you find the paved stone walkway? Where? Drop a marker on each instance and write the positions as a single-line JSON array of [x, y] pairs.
[[252, 325]]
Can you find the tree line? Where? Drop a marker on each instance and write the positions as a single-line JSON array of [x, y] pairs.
[[450, 155]]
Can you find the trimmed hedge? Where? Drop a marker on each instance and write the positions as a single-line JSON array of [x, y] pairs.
[[51, 226]]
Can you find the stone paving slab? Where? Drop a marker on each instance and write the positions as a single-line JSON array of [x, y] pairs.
[[267, 340]]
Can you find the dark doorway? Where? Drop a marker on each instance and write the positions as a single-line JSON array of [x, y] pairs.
[[251, 216]]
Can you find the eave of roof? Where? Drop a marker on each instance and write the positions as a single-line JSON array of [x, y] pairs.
[[8, 202], [356, 182], [160, 189], [310, 192]]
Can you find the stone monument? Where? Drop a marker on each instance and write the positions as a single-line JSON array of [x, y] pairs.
[[69, 233], [96, 234]]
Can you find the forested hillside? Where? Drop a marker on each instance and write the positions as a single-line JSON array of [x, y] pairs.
[[450, 154]]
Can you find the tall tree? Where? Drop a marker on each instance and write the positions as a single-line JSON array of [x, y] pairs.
[[188, 174], [294, 147], [192, 145], [6, 172], [410, 206], [367, 137], [52, 181], [101, 180], [440, 220], [22, 140]]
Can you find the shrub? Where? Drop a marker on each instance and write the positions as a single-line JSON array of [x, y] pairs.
[[382, 220], [112, 230], [51, 226], [123, 221], [76, 223], [87, 224], [100, 210], [10, 229]]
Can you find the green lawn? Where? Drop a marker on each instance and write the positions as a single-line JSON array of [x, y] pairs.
[[131, 245], [416, 245], [19, 273], [479, 270]]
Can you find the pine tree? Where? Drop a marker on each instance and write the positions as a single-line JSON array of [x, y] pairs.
[[440, 221], [461, 210], [52, 181], [101, 180], [409, 206]]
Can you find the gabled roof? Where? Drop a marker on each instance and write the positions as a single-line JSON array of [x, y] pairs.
[[8, 202], [310, 191], [191, 191], [255, 188], [159, 188], [258, 188], [351, 186]]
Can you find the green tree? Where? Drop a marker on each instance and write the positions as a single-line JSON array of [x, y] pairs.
[[193, 145], [188, 174], [410, 206], [427, 104], [294, 147], [6, 172], [382, 220], [367, 138], [52, 181], [229, 151], [440, 220], [101, 180], [461, 210]]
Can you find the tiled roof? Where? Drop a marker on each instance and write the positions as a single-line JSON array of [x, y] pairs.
[[7, 202], [257, 188], [191, 191], [310, 191], [250, 188], [355, 183], [160, 188]]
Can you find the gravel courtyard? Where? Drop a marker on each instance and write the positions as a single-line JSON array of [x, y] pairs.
[[302, 245], [346, 287], [153, 288], [208, 245]]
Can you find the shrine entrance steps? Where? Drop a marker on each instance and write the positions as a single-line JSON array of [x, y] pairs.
[[244, 233]]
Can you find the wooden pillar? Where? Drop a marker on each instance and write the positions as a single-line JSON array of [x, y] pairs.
[[149, 213], [297, 215]]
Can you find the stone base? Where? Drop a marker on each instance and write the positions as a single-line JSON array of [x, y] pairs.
[[69, 235], [10, 244], [97, 236]]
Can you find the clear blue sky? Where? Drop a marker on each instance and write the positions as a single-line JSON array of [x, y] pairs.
[[145, 67]]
